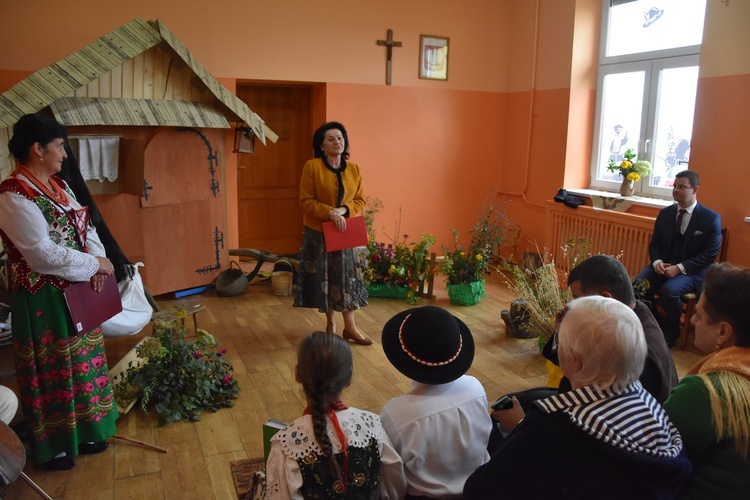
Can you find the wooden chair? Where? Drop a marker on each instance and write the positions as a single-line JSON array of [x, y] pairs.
[[690, 300]]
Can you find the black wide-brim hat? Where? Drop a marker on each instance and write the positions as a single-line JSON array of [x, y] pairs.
[[428, 344]]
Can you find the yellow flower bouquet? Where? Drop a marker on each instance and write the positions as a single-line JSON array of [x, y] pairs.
[[629, 168]]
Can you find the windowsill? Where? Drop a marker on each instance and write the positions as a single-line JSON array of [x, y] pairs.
[[637, 200]]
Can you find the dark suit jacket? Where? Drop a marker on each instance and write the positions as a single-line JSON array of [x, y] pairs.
[[701, 242]]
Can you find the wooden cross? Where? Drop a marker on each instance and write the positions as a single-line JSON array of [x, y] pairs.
[[389, 44]]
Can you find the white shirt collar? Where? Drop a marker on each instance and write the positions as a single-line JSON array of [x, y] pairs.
[[689, 209]]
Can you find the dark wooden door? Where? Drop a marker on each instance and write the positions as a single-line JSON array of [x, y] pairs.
[[268, 180]]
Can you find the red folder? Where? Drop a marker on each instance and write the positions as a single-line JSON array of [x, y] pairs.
[[89, 308], [355, 234]]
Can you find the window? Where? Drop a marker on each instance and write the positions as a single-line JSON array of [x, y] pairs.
[[648, 76]]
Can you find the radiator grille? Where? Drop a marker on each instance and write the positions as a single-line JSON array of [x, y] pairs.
[[623, 235]]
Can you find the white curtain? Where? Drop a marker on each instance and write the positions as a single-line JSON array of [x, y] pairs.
[[99, 158]]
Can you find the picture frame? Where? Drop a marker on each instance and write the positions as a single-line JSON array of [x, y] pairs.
[[433, 57]]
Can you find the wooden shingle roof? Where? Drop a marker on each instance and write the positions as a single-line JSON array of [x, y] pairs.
[[130, 112], [55, 85]]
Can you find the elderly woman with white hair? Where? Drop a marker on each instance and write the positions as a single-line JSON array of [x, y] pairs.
[[607, 438]]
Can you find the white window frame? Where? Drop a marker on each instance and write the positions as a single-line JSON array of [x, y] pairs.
[[652, 63]]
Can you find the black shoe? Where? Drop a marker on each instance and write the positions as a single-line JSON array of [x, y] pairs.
[[92, 448], [561, 195], [572, 201], [66, 462]]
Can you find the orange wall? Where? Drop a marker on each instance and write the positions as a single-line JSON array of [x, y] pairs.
[[516, 111], [722, 121], [436, 170], [722, 125], [288, 40]]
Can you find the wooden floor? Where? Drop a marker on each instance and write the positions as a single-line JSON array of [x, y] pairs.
[[260, 332]]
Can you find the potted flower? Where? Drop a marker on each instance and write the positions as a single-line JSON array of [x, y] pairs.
[[631, 171], [464, 268], [177, 379], [398, 270]]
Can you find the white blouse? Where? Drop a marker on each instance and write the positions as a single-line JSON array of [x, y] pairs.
[[23, 222], [283, 475]]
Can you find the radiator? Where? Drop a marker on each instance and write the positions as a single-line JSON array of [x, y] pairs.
[[623, 235]]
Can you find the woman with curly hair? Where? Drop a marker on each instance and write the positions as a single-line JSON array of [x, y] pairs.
[[331, 451]]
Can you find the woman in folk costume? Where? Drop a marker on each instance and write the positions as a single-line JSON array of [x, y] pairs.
[[63, 377], [711, 405]]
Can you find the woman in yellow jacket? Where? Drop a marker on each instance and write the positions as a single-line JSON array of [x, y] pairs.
[[331, 190]]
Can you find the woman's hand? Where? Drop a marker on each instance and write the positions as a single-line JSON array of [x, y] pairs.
[[336, 215], [510, 418], [105, 266], [97, 281]]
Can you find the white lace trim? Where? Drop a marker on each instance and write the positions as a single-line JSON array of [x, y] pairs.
[[298, 438]]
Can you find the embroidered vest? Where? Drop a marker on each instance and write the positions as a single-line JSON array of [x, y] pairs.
[[61, 231], [363, 480]]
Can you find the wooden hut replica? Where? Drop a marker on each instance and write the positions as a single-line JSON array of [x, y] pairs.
[[145, 116]]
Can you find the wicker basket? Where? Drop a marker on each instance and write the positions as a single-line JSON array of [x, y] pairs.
[[281, 281], [231, 282]]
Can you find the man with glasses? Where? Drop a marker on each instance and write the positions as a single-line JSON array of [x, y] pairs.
[[685, 241]]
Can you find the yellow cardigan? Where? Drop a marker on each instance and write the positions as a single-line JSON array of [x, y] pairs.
[[318, 192]]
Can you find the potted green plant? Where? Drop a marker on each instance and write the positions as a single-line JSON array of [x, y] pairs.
[[398, 270], [464, 268]]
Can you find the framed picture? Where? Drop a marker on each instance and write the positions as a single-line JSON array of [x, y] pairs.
[[433, 57]]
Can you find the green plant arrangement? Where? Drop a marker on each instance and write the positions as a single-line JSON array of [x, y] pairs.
[[372, 207], [629, 168], [464, 268], [542, 294], [399, 269], [175, 378], [543, 290]]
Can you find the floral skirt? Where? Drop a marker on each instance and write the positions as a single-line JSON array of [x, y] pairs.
[[332, 280], [62, 377]]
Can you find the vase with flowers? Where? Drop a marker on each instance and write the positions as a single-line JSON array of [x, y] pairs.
[[631, 170]]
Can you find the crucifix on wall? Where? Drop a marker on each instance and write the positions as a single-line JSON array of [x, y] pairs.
[[389, 44]]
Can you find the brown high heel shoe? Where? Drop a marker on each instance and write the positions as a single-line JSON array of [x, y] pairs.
[[359, 340]]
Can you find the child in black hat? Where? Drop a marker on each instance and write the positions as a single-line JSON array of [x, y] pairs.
[[441, 427]]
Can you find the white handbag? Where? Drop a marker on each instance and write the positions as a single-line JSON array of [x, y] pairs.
[[136, 311]]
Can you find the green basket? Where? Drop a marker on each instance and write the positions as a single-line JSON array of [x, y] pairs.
[[466, 294], [387, 291]]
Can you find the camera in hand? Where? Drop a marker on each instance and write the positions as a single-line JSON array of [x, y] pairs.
[[503, 403]]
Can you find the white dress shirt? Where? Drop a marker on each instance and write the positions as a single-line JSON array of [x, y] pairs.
[[441, 432]]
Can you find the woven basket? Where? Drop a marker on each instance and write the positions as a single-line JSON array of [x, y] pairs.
[[281, 281], [231, 282]]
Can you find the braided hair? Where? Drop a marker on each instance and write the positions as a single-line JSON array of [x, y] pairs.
[[324, 368]]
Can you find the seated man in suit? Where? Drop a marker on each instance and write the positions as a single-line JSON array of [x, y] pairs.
[[685, 241]]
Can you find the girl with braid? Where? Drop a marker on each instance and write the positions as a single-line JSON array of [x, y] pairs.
[[331, 451]]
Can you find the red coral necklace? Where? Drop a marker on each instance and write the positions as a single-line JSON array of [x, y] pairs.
[[56, 194]]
